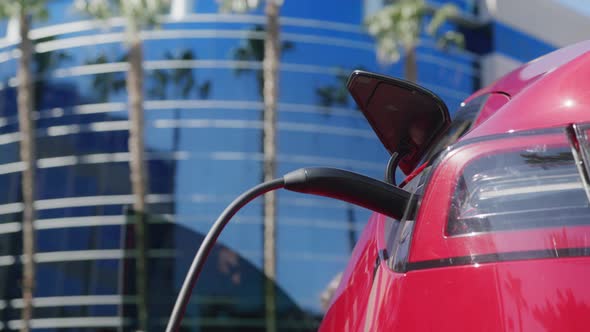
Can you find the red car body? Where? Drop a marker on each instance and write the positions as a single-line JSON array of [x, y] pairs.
[[500, 237]]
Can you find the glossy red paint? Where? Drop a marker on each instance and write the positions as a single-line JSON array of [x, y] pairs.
[[489, 297], [554, 94], [350, 299], [551, 294], [494, 102], [519, 79]]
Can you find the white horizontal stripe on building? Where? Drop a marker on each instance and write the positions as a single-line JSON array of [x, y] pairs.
[[9, 138], [89, 221], [12, 167], [63, 130], [7, 260], [295, 159], [120, 37], [335, 224], [108, 126], [285, 21], [235, 64], [117, 254], [10, 227], [62, 301], [80, 26], [57, 203], [188, 104], [11, 208], [116, 220], [321, 129], [81, 201], [172, 34], [78, 255], [101, 108], [249, 124], [6, 56], [69, 322], [173, 104], [99, 254]]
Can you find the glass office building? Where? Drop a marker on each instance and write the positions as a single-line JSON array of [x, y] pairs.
[[203, 136]]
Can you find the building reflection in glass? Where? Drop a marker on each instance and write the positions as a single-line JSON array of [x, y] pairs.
[[203, 135]]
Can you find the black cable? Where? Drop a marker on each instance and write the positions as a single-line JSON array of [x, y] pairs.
[[392, 166], [328, 182], [207, 245]]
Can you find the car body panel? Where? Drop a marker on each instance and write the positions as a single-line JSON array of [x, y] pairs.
[[555, 98], [517, 280], [350, 299]]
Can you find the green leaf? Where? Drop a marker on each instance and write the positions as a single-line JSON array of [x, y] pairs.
[[237, 6], [138, 13], [397, 28], [440, 17]]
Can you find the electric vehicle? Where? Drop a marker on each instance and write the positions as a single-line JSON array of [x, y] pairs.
[[497, 235], [489, 230]]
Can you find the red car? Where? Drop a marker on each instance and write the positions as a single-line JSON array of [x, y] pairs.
[[496, 236], [490, 230]]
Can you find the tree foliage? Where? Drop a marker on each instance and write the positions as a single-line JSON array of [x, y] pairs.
[[139, 13], [103, 84], [182, 79], [252, 49], [12, 8], [398, 26], [240, 6]]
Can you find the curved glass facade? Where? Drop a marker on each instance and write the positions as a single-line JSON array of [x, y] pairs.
[[203, 140]]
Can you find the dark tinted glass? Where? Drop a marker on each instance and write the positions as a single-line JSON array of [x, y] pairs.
[[530, 188], [463, 119]]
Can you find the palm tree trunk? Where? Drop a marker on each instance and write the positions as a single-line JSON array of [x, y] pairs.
[[137, 167], [410, 66], [27, 155], [270, 66]]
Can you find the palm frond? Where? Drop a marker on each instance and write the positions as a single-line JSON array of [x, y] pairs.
[[205, 89], [138, 13], [440, 17], [36, 8], [397, 28], [451, 38], [237, 6]]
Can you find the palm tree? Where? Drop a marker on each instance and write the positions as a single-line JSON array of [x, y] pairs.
[[397, 28], [334, 94], [24, 11], [184, 82], [270, 93], [253, 50], [103, 84], [139, 14]]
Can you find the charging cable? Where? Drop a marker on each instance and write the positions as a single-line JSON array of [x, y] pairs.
[[328, 182]]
